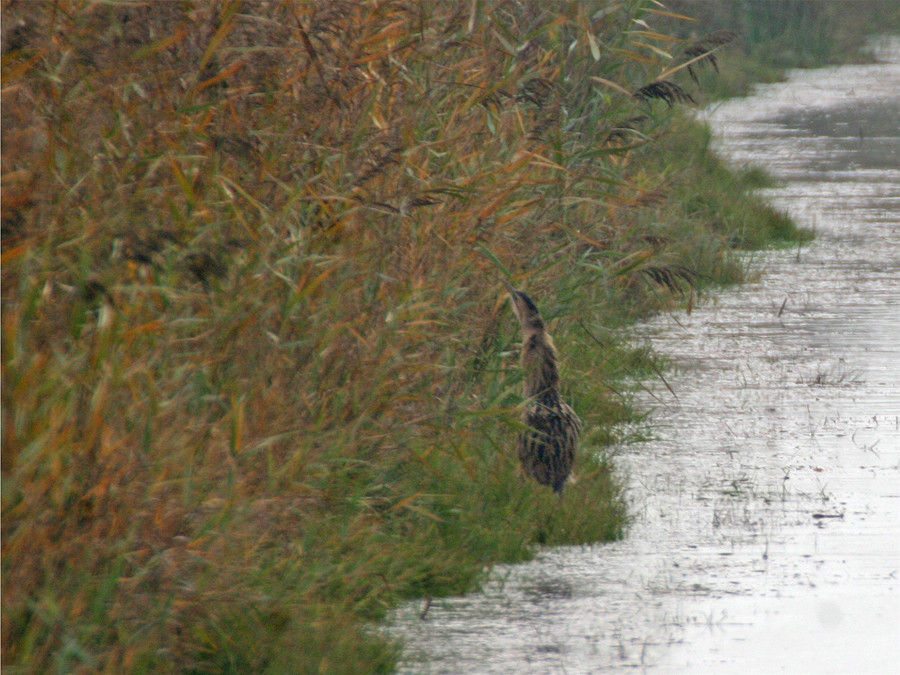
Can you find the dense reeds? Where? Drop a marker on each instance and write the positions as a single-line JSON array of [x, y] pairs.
[[259, 379]]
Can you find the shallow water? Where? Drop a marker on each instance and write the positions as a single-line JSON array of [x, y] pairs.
[[767, 512]]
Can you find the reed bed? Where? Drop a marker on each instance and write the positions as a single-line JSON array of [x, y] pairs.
[[259, 379]]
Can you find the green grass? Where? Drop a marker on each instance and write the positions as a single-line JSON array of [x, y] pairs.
[[260, 381]]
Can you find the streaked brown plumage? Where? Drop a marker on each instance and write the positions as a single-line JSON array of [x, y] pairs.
[[547, 451]]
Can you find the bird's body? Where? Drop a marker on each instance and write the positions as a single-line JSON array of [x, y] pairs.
[[547, 450]]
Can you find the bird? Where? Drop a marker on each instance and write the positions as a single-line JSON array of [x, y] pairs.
[[546, 450]]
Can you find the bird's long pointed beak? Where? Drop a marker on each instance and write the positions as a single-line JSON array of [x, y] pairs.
[[514, 299]]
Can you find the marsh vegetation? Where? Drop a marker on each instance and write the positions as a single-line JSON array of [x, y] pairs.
[[259, 379]]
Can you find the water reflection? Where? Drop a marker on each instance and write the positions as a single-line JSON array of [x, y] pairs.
[[767, 533]]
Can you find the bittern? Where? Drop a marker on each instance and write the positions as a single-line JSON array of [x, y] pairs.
[[547, 450]]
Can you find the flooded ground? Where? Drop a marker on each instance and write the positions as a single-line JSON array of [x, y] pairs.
[[767, 514]]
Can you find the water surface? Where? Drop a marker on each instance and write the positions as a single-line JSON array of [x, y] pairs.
[[767, 510]]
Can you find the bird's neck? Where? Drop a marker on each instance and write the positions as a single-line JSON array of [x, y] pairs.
[[539, 363]]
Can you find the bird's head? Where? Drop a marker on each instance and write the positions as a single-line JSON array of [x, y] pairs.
[[526, 311]]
